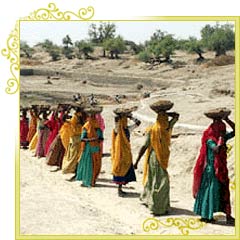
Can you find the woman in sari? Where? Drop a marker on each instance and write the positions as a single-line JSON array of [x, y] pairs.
[[122, 166], [70, 136], [101, 123], [33, 124], [43, 132], [53, 124], [211, 182], [56, 151], [24, 130], [156, 193], [89, 165]]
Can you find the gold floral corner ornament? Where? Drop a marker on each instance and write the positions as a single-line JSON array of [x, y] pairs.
[[12, 51], [184, 225], [53, 13]]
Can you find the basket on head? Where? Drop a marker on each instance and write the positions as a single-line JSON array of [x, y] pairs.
[[161, 105], [93, 110], [78, 105], [217, 113], [123, 111]]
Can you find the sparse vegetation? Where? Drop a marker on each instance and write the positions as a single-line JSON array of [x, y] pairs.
[[114, 46], [84, 48], [102, 33], [193, 45], [219, 38], [26, 50]]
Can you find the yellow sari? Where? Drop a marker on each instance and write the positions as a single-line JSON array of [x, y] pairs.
[[73, 144], [160, 137], [121, 150]]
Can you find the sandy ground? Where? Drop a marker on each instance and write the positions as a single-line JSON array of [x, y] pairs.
[[51, 205]]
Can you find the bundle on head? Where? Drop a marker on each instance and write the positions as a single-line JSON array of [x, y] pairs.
[[124, 111], [78, 106], [44, 108], [217, 113], [93, 110], [161, 105]]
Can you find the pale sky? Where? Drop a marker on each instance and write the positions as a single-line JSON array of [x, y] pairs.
[[139, 32]]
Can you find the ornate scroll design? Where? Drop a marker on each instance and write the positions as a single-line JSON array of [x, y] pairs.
[[53, 13], [184, 225], [12, 50]]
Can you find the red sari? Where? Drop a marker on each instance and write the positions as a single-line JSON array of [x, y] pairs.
[[24, 131], [54, 125], [220, 164]]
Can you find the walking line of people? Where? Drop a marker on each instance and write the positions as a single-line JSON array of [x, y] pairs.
[[74, 144]]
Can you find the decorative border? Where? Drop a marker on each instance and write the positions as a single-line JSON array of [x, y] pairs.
[[183, 225], [12, 54], [12, 51], [53, 13]]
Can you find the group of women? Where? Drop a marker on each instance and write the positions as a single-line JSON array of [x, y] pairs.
[[75, 145]]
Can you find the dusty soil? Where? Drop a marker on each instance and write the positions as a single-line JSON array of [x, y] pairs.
[[51, 205]]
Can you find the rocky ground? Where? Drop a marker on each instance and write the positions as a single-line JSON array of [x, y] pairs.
[[51, 205]]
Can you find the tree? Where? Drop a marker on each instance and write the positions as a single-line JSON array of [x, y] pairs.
[[145, 56], [219, 38], [134, 47], [55, 53], [67, 41], [100, 34], [115, 46], [193, 45], [47, 45], [161, 45], [26, 49], [67, 50], [84, 48]]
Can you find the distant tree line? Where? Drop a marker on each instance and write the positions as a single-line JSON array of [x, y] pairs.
[[158, 49]]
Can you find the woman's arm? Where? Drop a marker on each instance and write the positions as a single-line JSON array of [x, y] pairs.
[[140, 154]]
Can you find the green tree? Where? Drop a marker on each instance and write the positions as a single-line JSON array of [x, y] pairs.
[[161, 45], [218, 38], [84, 48], [145, 56], [136, 48], [115, 46], [193, 45], [99, 34], [68, 52], [55, 52], [67, 41], [47, 45], [26, 49], [67, 49]]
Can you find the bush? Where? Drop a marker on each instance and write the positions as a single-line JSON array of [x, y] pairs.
[[145, 56]]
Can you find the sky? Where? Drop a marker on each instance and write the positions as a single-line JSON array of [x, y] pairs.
[[139, 32]]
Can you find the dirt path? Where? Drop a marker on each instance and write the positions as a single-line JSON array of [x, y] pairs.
[[51, 205]]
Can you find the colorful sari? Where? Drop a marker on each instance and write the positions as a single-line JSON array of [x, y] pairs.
[[101, 123], [56, 153], [122, 167], [156, 193], [211, 182], [33, 143], [53, 125], [89, 165], [43, 132], [24, 132], [32, 127], [72, 155]]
